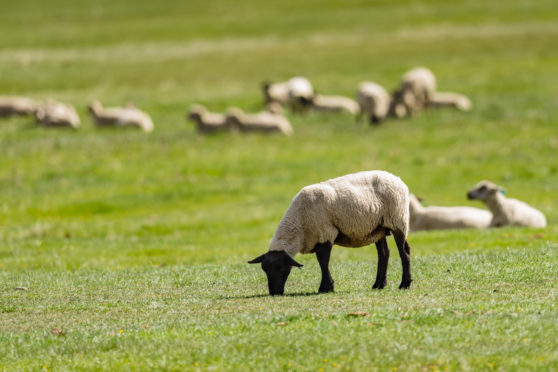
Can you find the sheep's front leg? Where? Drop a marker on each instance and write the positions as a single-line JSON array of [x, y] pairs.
[[405, 254], [383, 258], [323, 252]]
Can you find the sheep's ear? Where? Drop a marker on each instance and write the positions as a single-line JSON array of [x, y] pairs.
[[258, 259], [292, 262], [419, 198]]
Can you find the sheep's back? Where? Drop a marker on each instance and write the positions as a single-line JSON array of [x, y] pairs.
[[522, 214], [451, 218], [355, 206]]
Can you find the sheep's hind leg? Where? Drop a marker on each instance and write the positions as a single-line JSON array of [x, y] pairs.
[[323, 252], [383, 258], [405, 254]]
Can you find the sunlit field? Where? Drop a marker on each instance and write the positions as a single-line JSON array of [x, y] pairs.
[[121, 250]]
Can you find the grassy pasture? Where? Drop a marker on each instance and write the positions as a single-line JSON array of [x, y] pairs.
[[132, 247]]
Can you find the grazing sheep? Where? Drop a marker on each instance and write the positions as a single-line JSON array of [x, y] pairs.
[[334, 104], [265, 121], [17, 106], [352, 211], [374, 101], [440, 218], [128, 116], [56, 114], [450, 99], [207, 122], [415, 91], [296, 92], [506, 211]]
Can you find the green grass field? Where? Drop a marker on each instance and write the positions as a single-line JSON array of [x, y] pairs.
[[132, 248]]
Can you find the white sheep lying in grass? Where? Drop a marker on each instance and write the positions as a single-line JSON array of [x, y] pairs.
[[439, 218], [352, 211], [506, 211], [374, 101], [56, 114], [450, 99], [207, 122], [296, 92], [415, 90], [17, 106], [128, 116], [334, 104], [264, 121]]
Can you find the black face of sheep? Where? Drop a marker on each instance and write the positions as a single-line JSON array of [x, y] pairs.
[[277, 266], [483, 191]]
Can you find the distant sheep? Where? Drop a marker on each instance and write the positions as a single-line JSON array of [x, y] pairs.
[[440, 218], [274, 108], [56, 114], [207, 122], [17, 106], [265, 122], [415, 90], [374, 101], [296, 92], [449, 99], [506, 211], [352, 211], [129, 116], [324, 103]]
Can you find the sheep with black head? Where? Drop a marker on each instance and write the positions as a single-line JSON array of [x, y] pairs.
[[351, 211]]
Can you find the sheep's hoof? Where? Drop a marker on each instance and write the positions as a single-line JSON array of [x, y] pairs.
[[379, 285], [405, 284], [325, 289]]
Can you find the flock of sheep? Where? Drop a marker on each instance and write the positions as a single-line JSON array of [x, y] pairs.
[[416, 91], [58, 114], [359, 209]]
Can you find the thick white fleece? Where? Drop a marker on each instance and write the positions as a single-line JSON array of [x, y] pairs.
[[439, 218], [55, 114], [373, 99], [288, 92], [263, 121], [16, 106], [359, 206], [129, 116], [335, 104], [450, 99]]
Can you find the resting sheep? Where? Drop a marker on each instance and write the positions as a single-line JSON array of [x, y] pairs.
[[17, 106], [450, 99], [506, 211], [415, 90], [374, 101], [129, 116], [439, 218], [265, 121], [207, 122], [352, 211], [296, 92], [334, 104], [56, 114]]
